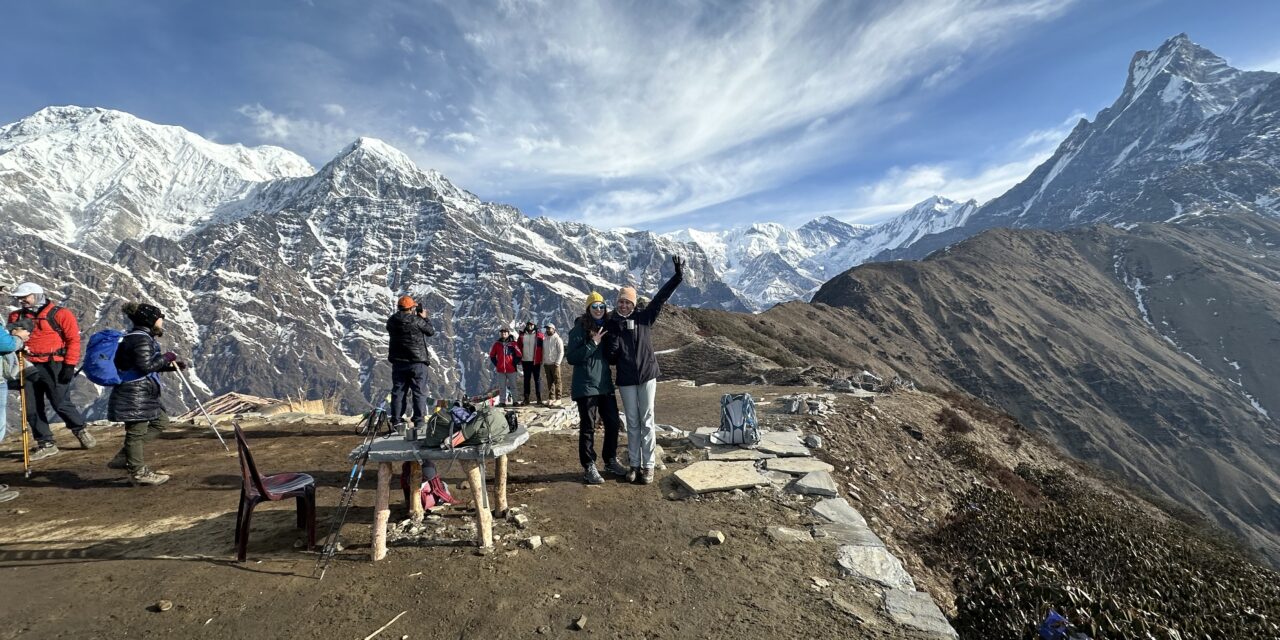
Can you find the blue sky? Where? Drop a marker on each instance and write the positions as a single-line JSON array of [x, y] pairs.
[[643, 114]]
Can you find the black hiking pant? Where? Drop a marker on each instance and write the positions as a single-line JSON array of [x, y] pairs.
[[44, 392], [407, 378], [606, 406], [532, 372]]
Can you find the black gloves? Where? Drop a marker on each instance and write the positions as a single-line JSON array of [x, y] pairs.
[[679, 264], [67, 374]]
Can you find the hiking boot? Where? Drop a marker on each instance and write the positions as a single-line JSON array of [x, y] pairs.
[[87, 441], [646, 475], [591, 475], [43, 450], [145, 476], [631, 474], [616, 469], [526, 402], [120, 461]]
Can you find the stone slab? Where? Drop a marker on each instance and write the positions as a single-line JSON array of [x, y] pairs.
[[778, 478], [838, 510], [797, 466], [787, 534], [708, 476], [816, 483], [727, 454], [781, 438], [701, 437], [918, 611], [876, 564], [843, 533]]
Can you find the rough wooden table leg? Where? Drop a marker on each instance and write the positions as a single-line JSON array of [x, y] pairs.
[[415, 484], [484, 519], [501, 472], [381, 512]]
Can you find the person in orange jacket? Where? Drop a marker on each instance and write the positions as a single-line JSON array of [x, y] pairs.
[[505, 354], [53, 352]]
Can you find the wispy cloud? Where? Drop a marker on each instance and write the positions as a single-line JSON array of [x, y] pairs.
[[672, 112], [309, 137], [902, 187]]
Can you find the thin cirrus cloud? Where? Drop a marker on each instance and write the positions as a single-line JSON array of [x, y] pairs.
[[641, 113], [902, 187]]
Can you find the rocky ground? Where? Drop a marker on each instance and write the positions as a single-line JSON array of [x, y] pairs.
[[95, 556], [939, 499]]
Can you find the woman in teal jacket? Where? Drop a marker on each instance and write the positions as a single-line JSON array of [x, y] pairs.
[[592, 389]]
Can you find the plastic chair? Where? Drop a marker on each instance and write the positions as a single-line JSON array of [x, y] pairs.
[[256, 488]]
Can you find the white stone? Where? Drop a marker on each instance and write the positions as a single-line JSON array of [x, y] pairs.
[[708, 476], [818, 483], [917, 610], [797, 466], [842, 533], [730, 454], [787, 534], [876, 564], [838, 510]]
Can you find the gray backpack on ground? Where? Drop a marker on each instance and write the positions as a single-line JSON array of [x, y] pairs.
[[737, 420]]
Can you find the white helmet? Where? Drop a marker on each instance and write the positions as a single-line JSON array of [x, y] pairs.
[[27, 288]]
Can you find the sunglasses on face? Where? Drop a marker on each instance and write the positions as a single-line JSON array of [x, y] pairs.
[[597, 306]]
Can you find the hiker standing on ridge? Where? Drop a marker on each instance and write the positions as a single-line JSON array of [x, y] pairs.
[[552, 357], [409, 327], [637, 370], [136, 401], [592, 388], [531, 359], [53, 352], [504, 354], [12, 340]]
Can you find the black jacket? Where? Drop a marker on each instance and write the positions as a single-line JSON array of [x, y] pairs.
[[632, 350], [409, 333], [137, 400]]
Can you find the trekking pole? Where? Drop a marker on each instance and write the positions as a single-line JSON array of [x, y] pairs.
[[348, 495], [26, 434], [208, 417]]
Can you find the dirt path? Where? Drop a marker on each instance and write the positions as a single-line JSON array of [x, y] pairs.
[[83, 555]]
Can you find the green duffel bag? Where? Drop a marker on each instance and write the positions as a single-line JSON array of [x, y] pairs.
[[487, 425]]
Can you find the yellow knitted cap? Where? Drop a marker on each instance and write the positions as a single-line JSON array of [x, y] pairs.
[[593, 298]]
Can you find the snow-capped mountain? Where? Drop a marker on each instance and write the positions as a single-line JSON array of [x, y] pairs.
[[282, 285], [1189, 133], [92, 177], [767, 263]]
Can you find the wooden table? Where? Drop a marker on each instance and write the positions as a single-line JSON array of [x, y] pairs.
[[391, 449]]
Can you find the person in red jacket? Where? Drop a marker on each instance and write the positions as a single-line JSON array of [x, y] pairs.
[[505, 355], [530, 341], [54, 353]]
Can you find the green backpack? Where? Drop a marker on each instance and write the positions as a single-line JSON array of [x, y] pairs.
[[487, 425]]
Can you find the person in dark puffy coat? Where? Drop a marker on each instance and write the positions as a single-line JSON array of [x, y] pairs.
[[409, 327], [592, 389], [136, 402]]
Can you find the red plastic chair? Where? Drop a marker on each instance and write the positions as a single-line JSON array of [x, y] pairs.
[[255, 488]]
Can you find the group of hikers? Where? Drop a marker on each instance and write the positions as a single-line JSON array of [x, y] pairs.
[[610, 350], [611, 353], [42, 351]]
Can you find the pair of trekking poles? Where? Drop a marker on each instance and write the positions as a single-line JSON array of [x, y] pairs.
[[26, 427]]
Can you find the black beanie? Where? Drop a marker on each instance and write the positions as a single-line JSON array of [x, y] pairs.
[[143, 314]]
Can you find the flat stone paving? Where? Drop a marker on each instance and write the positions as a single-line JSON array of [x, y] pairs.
[[708, 476], [917, 610], [797, 466], [817, 483]]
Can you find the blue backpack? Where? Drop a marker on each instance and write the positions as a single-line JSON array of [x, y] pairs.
[[100, 360]]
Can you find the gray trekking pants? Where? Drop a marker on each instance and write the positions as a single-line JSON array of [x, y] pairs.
[[507, 385], [637, 404]]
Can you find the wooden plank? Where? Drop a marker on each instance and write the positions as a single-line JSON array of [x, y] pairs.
[[381, 512], [501, 472], [415, 484], [484, 519]]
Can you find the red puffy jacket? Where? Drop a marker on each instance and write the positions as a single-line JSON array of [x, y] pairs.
[[47, 343], [505, 356]]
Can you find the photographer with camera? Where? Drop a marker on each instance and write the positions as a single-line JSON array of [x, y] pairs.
[[637, 370], [505, 354], [409, 327]]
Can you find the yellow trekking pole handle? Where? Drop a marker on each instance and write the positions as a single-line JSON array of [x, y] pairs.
[[22, 395]]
